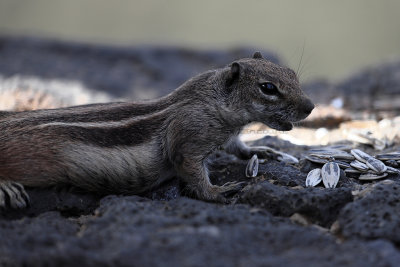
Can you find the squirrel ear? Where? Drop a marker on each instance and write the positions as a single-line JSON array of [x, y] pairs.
[[233, 74], [257, 55], [235, 70]]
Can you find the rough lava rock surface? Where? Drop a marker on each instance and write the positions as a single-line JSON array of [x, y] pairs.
[[373, 88], [123, 72], [375, 214], [319, 204], [126, 231], [273, 221]]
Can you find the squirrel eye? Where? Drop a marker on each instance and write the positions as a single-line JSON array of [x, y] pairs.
[[269, 88]]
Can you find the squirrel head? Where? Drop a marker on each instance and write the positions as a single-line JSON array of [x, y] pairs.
[[269, 93]]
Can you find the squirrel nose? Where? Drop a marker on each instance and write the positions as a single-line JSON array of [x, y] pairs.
[[308, 106]]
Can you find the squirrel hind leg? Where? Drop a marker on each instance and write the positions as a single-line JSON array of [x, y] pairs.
[[13, 195]]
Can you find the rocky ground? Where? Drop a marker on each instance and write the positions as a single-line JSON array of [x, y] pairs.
[[274, 220]]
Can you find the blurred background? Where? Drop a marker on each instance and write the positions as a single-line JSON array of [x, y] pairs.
[[338, 37], [57, 53]]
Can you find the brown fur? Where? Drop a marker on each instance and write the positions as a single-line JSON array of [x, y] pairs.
[[132, 147]]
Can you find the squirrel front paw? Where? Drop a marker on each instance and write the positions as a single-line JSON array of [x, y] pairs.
[[230, 188], [221, 193], [13, 195], [266, 152]]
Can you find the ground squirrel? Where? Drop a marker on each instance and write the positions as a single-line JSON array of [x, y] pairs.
[[130, 148]]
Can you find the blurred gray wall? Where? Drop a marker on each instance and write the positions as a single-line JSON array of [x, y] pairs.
[[338, 37]]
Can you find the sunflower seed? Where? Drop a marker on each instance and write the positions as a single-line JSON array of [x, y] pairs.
[[326, 150], [287, 158], [316, 159], [333, 147], [360, 155], [319, 150], [331, 153], [252, 167], [330, 173], [376, 165], [389, 156], [322, 156], [342, 164], [359, 165], [313, 178], [371, 176], [352, 170], [392, 170], [392, 163], [343, 155]]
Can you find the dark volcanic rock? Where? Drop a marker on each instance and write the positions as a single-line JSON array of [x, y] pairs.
[[373, 88], [365, 88], [319, 204], [282, 174], [375, 215], [139, 72], [132, 231], [68, 201]]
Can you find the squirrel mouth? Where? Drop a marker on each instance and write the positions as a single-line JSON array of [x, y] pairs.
[[280, 125]]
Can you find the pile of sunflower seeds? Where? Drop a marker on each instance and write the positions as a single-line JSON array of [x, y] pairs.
[[333, 158], [357, 163]]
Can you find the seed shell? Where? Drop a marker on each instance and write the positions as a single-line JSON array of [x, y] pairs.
[[330, 173], [313, 178], [389, 156], [360, 155], [359, 165], [316, 159], [392, 163], [331, 153], [371, 176], [287, 158], [352, 170], [376, 165], [252, 167], [392, 170], [342, 164]]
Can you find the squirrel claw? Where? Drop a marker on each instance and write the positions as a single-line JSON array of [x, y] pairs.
[[230, 188], [15, 194], [268, 152]]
